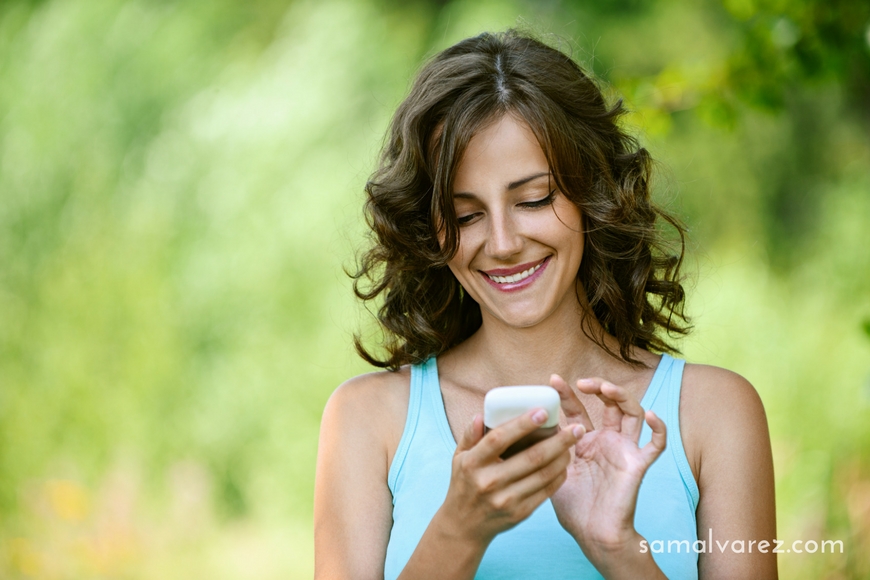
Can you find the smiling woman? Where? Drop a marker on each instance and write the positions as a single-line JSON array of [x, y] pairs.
[[516, 244]]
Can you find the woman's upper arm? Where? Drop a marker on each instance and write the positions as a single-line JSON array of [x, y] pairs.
[[734, 468], [352, 503]]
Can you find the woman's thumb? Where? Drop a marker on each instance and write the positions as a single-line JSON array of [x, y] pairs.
[[472, 434]]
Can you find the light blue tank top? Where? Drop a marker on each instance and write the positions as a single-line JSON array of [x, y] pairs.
[[539, 547]]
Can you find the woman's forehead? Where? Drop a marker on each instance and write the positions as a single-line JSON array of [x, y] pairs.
[[504, 154]]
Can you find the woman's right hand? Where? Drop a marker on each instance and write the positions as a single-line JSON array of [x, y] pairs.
[[487, 494]]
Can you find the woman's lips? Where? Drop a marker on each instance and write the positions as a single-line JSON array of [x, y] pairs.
[[513, 270], [519, 284]]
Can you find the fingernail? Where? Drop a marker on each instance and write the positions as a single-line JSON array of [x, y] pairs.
[[540, 416], [586, 382], [578, 431]]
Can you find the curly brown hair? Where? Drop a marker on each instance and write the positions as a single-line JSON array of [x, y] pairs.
[[629, 271]]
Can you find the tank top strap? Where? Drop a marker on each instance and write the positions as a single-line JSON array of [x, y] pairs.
[[654, 390], [663, 398], [432, 396], [415, 397], [426, 416], [675, 438]]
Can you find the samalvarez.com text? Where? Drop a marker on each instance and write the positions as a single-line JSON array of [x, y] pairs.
[[709, 545]]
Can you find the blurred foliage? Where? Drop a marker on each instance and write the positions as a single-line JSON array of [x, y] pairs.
[[181, 184]]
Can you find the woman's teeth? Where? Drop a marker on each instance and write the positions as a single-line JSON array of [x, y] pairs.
[[515, 277]]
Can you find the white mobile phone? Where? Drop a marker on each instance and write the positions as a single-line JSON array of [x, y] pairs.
[[502, 404]]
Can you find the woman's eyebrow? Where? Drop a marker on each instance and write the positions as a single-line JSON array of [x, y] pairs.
[[511, 186], [520, 182]]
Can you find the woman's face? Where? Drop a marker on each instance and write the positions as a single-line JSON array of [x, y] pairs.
[[520, 239]]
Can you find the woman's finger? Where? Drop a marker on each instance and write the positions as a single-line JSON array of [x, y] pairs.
[[541, 477], [496, 441], [529, 461], [571, 404], [611, 418], [659, 439], [472, 434], [632, 420], [622, 412]]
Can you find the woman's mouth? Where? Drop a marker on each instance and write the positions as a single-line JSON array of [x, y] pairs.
[[511, 279]]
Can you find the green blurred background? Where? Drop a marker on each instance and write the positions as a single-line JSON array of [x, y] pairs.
[[181, 185]]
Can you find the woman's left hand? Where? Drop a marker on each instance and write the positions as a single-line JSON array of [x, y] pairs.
[[596, 504]]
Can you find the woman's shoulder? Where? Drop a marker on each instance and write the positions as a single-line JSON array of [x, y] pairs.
[[371, 408], [720, 411], [375, 389], [719, 395]]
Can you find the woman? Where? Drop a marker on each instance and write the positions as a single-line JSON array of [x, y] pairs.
[[516, 243]]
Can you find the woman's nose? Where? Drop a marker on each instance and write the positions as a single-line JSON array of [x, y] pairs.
[[504, 239]]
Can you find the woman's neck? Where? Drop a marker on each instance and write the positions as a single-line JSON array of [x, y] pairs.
[[498, 354]]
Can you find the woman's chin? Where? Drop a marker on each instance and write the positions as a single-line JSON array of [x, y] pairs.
[[521, 318]]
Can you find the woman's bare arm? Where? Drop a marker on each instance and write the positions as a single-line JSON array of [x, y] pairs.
[[352, 503], [724, 419]]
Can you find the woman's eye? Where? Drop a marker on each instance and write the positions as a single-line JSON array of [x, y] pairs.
[[541, 202], [466, 218]]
